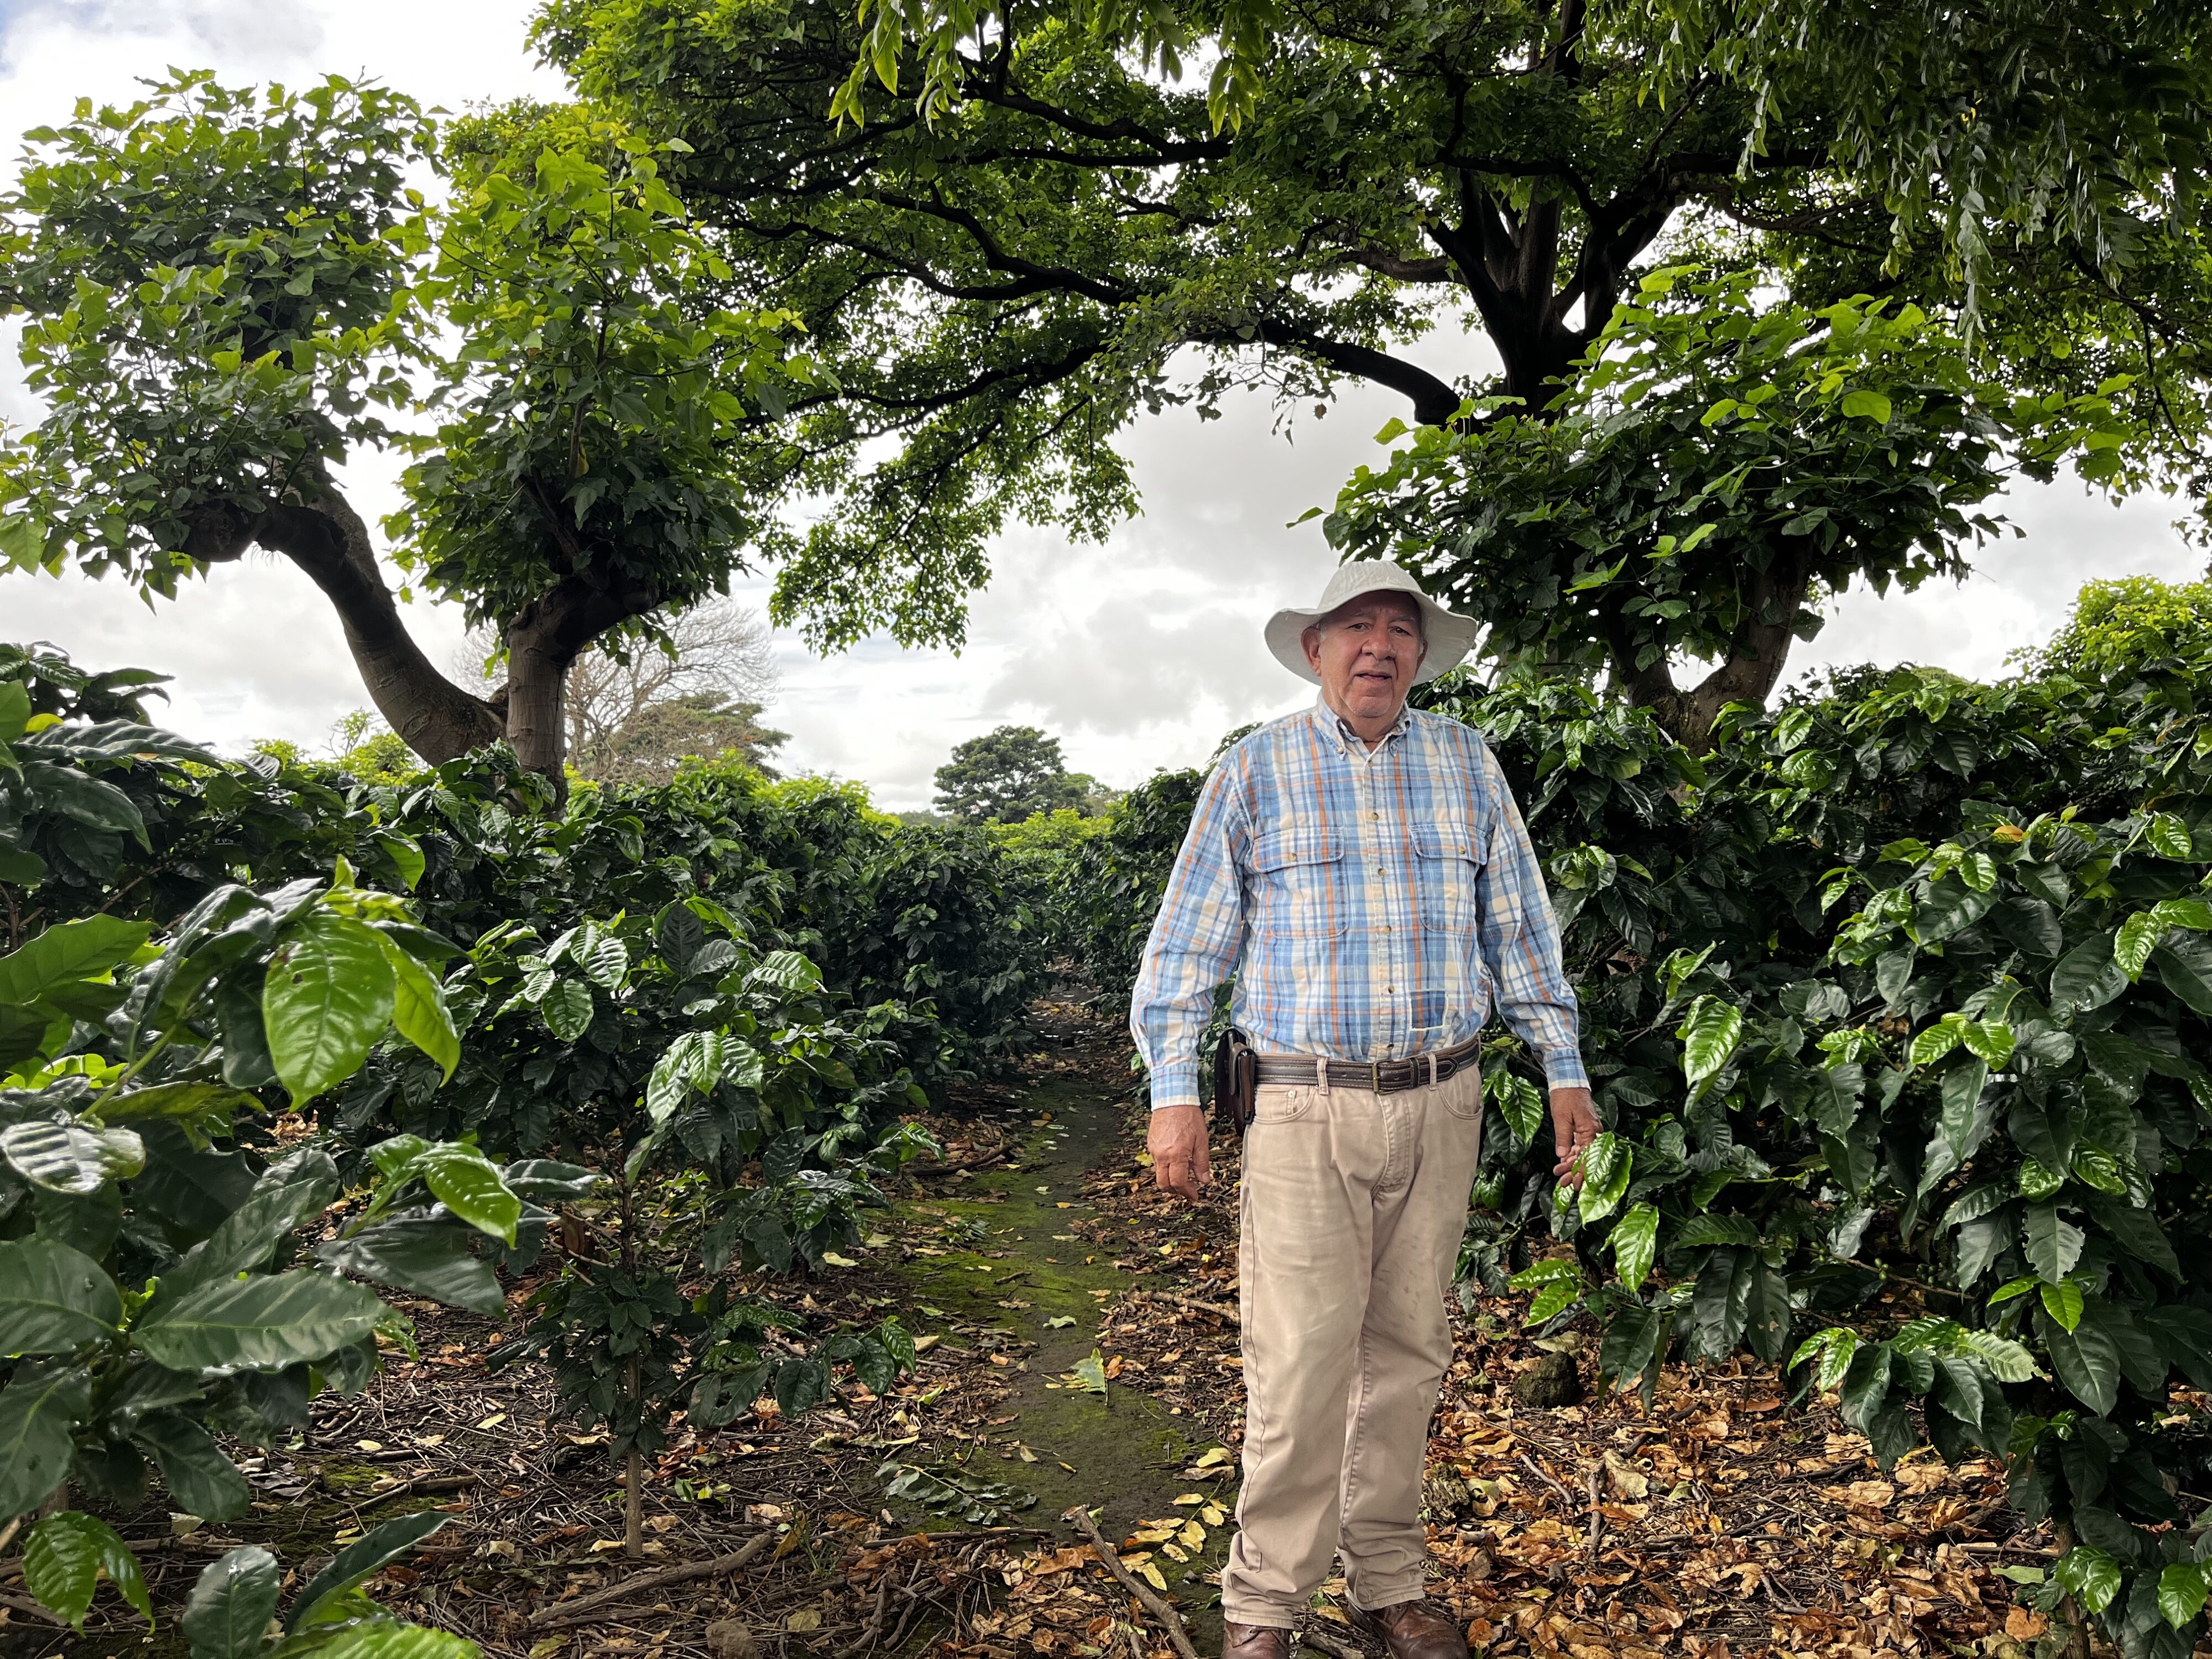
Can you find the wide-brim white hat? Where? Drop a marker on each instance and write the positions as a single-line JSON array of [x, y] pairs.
[[1449, 636]]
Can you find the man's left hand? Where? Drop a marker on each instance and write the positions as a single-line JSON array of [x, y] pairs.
[[1574, 1126]]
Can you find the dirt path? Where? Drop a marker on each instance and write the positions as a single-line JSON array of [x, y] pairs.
[[1025, 1279]]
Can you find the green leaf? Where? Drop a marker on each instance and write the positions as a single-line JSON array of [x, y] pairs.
[[54, 1299], [327, 998], [39, 1410], [281, 1203], [785, 970], [430, 1258], [260, 1323], [418, 1008], [1520, 1106], [567, 1009], [2088, 976], [1992, 1042], [1635, 1244], [1605, 1169], [473, 1187], [606, 962], [2054, 1244], [374, 1638], [2064, 1304], [2138, 934], [1936, 1041], [2181, 1592], [64, 1558], [1709, 1034], [232, 1604], [200, 1478], [2090, 1573], [84, 798], [354, 1563], [67, 951], [203, 1103], [405, 853], [69, 1157], [2169, 838], [1091, 1373], [1870, 405], [2086, 1360]]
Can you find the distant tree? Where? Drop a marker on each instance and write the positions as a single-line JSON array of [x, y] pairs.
[[1004, 777], [649, 746]]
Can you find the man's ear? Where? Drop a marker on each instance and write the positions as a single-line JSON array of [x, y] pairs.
[[1311, 641]]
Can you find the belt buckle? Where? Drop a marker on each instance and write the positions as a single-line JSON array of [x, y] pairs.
[[1374, 1076]]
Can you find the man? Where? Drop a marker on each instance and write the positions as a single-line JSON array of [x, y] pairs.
[[1363, 871]]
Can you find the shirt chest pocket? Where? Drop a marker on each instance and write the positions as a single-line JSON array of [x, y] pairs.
[[1296, 882], [1448, 860]]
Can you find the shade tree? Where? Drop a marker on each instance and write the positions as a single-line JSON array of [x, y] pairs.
[[1004, 256], [228, 292]]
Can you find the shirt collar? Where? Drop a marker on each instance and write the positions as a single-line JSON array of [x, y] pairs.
[[1347, 740]]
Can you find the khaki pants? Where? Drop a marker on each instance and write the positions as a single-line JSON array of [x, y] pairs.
[[1352, 1205]]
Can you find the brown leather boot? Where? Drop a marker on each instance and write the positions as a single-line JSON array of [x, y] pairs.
[[1255, 1641], [1414, 1630]]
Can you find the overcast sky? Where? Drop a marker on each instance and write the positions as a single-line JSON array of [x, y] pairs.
[[1138, 653]]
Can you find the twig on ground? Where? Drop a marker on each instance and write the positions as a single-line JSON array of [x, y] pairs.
[[1313, 1636], [1549, 1479], [866, 1638], [579, 1611], [1596, 1514], [24, 1604], [1190, 1302], [1110, 1559]]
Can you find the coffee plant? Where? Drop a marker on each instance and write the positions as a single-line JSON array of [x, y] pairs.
[[1895, 1002]]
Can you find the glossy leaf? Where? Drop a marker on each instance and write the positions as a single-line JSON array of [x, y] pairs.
[[1635, 1240], [201, 1480], [1709, 1035], [567, 1009], [376, 1549], [71, 1157], [232, 1603], [258, 1324], [39, 1410], [63, 1557], [53, 1299], [327, 999], [418, 1008]]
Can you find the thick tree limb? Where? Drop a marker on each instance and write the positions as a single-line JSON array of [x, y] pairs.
[[321, 534]]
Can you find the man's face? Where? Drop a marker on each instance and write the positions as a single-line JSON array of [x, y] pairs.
[[1366, 653]]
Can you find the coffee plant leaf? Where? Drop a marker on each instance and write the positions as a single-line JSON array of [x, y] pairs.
[[54, 1299]]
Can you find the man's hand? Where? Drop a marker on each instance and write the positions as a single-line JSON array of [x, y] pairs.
[[1177, 1144], [1574, 1126]]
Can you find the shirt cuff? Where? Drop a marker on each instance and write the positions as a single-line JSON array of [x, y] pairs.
[[1176, 1083], [1564, 1070]]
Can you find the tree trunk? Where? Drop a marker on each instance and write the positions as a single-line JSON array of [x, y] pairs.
[[1748, 674], [325, 537], [634, 1496], [537, 677]]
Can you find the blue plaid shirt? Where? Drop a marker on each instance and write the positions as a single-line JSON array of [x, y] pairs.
[[1372, 905]]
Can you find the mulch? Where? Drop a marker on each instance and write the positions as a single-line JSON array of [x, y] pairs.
[[1720, 1521]]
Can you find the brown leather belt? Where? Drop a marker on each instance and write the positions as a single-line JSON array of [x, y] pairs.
[[1384, 1077]]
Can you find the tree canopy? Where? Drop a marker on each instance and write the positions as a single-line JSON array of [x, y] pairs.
[[1004, 273], [1008, 775], [229, 290]]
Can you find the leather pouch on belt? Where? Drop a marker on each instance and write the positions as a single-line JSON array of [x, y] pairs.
[[1235, 1081]]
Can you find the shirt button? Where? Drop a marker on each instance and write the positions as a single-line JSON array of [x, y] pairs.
[[1389, 990]]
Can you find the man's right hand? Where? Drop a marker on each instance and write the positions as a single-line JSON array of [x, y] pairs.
[[1177, 1144]]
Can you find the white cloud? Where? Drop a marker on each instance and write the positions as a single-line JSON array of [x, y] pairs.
[[1140, 651]]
